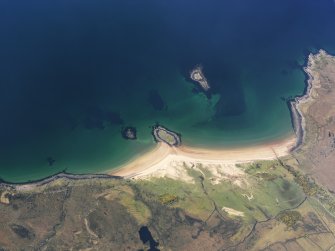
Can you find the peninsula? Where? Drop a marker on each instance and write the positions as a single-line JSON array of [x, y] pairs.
[[313, 118], [198, 76]]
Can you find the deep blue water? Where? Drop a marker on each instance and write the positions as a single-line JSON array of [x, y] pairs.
[[73, 73]]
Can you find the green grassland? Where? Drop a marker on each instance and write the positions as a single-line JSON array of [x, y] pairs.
[[274, 204], [277, 201], [271, 187]]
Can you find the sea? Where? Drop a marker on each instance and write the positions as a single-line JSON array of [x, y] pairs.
[[74, 73]]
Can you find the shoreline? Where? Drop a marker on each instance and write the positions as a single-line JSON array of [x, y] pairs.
[[297, 120], [259, 152], [44, 181], [162, 153]]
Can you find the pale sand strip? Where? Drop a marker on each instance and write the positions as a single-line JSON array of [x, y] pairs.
[[163, 155]]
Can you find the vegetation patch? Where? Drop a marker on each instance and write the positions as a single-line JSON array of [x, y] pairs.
[[136, 208], [308, 186], [266, 176], [168, 199], [289, 218], [265, 166], [189, 197], [312, 189]]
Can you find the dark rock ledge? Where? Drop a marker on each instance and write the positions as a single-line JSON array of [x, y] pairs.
[[162, 134]]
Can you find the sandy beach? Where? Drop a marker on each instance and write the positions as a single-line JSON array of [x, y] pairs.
[[161, 157]]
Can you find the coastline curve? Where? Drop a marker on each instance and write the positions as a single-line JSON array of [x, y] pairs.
[[163, 152]]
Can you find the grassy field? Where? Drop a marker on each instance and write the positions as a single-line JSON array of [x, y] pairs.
[[271, 207]]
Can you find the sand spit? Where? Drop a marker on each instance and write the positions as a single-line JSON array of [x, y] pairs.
[[165, 161], [174, 162]]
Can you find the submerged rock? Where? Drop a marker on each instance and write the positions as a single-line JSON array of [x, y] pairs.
[[114, 118], [129, 133], [50, 161], [156, 101]]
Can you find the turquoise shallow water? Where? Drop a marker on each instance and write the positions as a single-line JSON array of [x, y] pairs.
[[72, 74]]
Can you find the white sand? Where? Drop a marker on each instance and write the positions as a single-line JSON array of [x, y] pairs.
[[232, 211], [165, 161]]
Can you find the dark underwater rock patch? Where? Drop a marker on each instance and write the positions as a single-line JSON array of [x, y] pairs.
[[156, 101], [129, 132]]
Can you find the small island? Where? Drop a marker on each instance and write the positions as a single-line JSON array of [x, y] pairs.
[[161, 134], [129, 133], [198, 76]]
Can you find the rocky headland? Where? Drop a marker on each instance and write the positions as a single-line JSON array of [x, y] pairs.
[[313, 119]]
